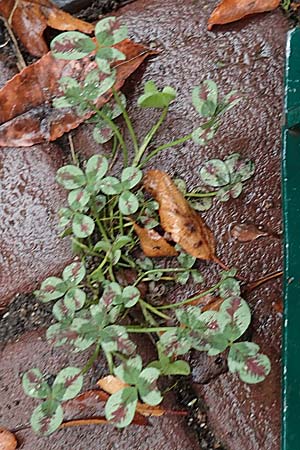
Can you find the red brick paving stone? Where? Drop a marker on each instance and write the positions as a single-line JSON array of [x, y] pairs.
[[248, 56], [32, 351], [30, 247]]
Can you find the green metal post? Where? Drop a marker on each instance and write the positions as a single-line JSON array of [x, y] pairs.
[[291, 218]]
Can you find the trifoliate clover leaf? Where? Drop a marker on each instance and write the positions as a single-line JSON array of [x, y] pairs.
[[130, 370], [153, 98], [72, 45]]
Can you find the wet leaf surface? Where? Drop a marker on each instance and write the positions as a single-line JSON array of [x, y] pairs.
[[153, 244], [231, 10], [30, 18], [27, 116], [7, 440], [178, 218], [245, 232]]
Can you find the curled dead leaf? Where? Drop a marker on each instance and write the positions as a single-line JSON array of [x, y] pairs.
[[178, 218], [30, 18], [231, 10], [152, 243], [245, 232], [7, 440], [27, 116]]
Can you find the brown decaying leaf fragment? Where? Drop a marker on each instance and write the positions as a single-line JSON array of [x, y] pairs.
[[245, 232], [30, 18], [153, 244], [27, 116], [178, 218], [7, 440], [231, 10]]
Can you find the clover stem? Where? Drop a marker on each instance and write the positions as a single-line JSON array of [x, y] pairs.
[[135, 329], [91, 361], [147, 315], [101, 265], [114, 128], [191, 299], [149, 272], [127, 120], [201, 194], [164, 147], [154, 310], [149, 136], [84, 247]]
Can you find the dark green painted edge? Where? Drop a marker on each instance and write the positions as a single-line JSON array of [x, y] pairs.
[[291, 220]]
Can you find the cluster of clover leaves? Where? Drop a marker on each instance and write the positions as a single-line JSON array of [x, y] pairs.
[[91, 298]]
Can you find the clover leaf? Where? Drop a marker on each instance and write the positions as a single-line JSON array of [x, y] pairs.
[[153, 98]]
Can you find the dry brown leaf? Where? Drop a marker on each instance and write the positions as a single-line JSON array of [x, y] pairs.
[[27, 116], [7, 440], [178, 218], [153, 244], [231, 10], [245, 232], [30, 18], [111, 384]]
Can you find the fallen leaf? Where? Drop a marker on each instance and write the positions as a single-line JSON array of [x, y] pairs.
[[231, 10], [244, 232], [27, 116], [30, 18], [152, 243], [7, 440], [111, 384], [178, 218]]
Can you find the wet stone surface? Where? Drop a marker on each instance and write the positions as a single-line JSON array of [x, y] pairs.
[[30, 247]]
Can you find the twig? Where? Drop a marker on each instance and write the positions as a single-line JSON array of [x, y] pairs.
[[13, 10], [21, 64], [72, 149], [254, 284]]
